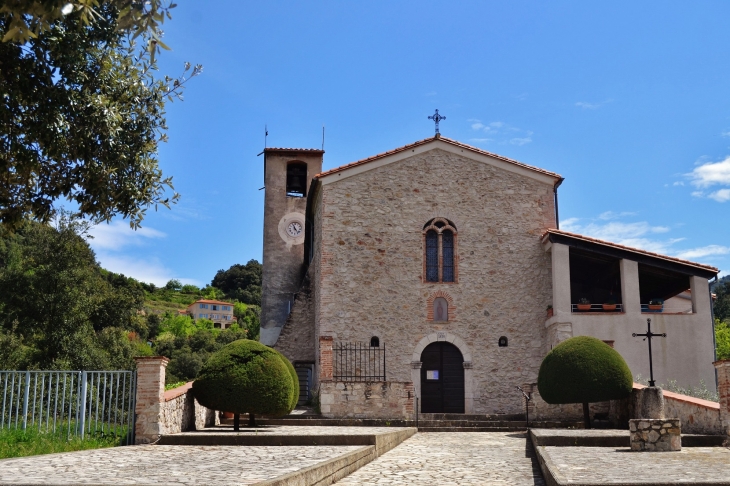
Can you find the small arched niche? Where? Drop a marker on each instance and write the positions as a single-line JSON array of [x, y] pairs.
[[440, 309], [374, 342]]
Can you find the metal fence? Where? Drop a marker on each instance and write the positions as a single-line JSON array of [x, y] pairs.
[[70, 403], [358, 362]]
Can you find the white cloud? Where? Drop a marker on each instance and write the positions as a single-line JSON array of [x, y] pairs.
[[110, 241], [704, 251], [726, 134], [149, 270], [480, 140], [607, 215], [117, 235], [721, 195], [500, 132], [711, 173], [591, 105], [678, 183]]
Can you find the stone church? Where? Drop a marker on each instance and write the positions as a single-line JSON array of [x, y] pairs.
[[435, 276]]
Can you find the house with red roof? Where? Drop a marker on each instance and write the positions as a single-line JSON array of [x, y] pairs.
[[435, 276], [221, 313]]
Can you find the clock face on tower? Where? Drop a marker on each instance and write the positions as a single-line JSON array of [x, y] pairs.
[[291, 229], [294, 229]]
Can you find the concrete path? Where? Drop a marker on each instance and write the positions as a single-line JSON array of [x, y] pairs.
[[454, 458]]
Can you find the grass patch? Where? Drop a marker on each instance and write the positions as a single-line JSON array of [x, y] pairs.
[[170, 386], [30, 442]]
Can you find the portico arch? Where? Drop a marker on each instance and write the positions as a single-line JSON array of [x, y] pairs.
[[465, 352]]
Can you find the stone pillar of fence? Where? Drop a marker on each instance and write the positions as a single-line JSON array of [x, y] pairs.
[[723, 390], [325, 358], [150, 397]]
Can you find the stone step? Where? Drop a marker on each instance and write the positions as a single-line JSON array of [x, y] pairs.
[[470, 424], [462, 416], [471, 429]]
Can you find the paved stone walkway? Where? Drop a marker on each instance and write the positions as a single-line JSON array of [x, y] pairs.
[[458, 458], [607, 465], [166, 465]]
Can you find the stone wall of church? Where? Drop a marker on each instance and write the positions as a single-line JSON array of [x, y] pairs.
[[383, 400], [370, 267], [296, 340]]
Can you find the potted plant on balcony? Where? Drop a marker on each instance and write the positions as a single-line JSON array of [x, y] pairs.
[[549, 311], [656, 305], [584, 304], [610, 304]]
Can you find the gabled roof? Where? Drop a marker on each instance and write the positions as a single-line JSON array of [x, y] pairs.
[[554, 235], [437, 139]]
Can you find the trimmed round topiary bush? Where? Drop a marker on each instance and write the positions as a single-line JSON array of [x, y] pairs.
[[295, 381], [246, 377], [583, 369]]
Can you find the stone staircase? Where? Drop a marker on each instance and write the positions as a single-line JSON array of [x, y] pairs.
[[427, 422]]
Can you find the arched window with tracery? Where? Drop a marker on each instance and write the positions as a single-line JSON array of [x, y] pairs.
[[439, 236]]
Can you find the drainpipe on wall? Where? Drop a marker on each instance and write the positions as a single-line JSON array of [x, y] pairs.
[[555, 192], [714, 339]]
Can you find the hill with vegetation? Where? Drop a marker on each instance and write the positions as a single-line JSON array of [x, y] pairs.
[[59, 309]]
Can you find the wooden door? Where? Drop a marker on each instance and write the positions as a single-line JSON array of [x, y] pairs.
[[442, 379]]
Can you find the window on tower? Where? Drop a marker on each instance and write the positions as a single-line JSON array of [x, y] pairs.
[[296, 179], [439, 236]]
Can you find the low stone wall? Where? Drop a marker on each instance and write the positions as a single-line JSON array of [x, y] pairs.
[[380, 400], [697, 416], [181, 412], [573, 412], [159, 412]]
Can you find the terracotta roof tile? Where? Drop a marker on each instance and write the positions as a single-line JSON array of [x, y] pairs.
[[206, 301], [428, 140], [627, 248], [291, 149]]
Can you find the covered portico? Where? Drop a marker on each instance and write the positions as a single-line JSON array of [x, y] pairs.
[[608, 291]]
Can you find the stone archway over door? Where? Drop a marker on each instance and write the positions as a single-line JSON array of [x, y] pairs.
[[442, 379]]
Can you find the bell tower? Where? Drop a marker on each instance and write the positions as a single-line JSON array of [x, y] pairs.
[[287, 176]]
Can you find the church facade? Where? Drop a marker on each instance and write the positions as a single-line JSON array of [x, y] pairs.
[[435, 276]]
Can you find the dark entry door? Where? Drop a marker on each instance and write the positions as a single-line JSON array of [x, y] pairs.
[[442, 379]]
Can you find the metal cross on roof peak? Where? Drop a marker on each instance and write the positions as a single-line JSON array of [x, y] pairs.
[[647, 336], [437, 118]]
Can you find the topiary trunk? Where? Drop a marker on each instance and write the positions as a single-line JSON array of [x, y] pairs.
[[586, 415], [236, 422], [251, 420]]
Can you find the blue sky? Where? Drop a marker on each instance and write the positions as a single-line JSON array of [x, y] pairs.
[[629, 101]]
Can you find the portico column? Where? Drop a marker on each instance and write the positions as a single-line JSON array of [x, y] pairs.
[[700, 294], [561, 280], [630, 296]]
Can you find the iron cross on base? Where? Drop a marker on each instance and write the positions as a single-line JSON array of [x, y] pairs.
[[437, 118], [648, 335]]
